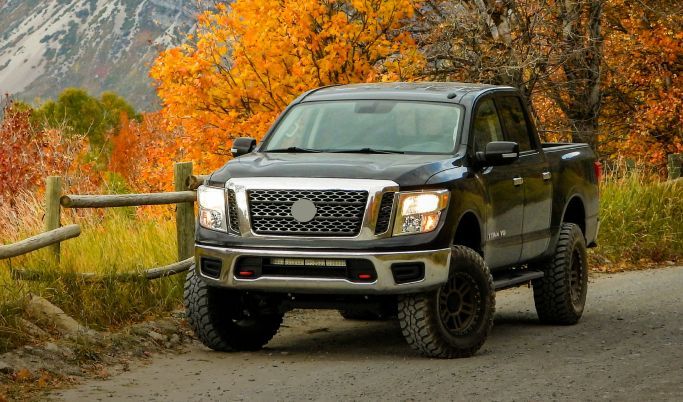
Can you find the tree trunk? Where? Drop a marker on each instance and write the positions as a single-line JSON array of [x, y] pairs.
[[579, 94], [586, 131]]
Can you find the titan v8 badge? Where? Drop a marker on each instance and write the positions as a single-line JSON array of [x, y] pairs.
[[497, 234]]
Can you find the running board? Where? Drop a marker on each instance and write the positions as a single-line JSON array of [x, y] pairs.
[[515, 278]]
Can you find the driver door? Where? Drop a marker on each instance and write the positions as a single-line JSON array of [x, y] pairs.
[[503, 189]]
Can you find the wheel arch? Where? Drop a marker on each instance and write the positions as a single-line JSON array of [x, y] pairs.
[[575, 212], [469, 232]]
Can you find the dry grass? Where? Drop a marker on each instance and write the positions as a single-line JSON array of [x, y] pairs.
[[641, 220], [112, 241]]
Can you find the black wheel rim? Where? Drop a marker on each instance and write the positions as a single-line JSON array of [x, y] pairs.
[[459, 303], [576, 278]]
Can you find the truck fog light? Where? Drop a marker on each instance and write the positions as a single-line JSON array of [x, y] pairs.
[[419, 212]]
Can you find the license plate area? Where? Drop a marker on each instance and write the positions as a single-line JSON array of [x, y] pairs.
[[355, 270]]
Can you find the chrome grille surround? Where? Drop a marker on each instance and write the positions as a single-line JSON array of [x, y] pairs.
[[339, 201]]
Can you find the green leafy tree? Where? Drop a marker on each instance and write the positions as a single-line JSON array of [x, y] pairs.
[[77, 113]]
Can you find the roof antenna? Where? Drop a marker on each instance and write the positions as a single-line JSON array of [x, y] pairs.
[[451, 95]]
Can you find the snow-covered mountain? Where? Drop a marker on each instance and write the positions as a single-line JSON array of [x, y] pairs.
[[100, 45]]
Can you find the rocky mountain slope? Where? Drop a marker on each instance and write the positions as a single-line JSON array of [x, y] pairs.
[[100, 45]]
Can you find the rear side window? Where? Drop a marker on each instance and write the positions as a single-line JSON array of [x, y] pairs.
[[486, 125], [512, 114]]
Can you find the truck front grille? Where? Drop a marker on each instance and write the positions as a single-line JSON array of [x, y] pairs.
[[339, 212]]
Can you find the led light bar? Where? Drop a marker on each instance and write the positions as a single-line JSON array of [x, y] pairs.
[[308, 262]]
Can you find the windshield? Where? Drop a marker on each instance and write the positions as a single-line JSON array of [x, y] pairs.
[[368, 125]]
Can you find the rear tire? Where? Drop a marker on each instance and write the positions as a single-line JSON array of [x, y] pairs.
[[226, 320], [560, 296], [454, 320]]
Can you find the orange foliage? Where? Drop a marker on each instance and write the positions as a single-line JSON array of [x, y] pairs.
[[29, 154], [144, 152], [644, 53], [247, 61]]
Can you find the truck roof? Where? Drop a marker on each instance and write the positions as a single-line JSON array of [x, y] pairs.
[[420, 91]]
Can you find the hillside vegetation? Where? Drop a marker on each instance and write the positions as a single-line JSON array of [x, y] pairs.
[[100, 45]]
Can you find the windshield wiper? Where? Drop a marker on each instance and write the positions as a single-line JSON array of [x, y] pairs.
[[293, 149], [366, 151]]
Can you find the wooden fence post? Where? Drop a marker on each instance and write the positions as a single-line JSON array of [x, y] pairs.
[[675, 166], [53, 190], [184, 214]]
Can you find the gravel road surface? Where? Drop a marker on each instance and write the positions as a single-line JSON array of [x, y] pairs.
[[628, 346]]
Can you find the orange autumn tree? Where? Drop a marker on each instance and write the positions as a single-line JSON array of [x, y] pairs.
[[247, 61], [28, 154], [143, 152], [644, 74]]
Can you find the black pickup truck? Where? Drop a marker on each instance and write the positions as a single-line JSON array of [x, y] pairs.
[[415, 201]]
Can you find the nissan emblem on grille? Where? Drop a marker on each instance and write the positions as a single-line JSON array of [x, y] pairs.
[[304, 210], [307, 212]]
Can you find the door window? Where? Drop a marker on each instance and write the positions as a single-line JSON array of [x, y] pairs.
[[486, 125], [512, 113]]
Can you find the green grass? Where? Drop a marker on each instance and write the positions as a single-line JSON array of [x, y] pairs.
[[116, 241], [641, 219]]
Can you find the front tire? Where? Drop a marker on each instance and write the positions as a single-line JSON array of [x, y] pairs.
[[454, 320], [560, 296], [226, 320]]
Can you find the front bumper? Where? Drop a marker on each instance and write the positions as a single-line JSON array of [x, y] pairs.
[[436, 267]]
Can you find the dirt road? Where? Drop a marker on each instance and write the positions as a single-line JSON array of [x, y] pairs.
[[628, 346]]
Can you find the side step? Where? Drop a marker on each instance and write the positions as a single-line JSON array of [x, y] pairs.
[[511, 279]]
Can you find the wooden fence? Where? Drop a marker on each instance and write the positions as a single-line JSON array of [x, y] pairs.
[[184, 196]]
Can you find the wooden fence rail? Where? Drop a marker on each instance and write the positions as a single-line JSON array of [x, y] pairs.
[[195, 181], [184, 197], [91, 277], [36, 242], [126, 200]]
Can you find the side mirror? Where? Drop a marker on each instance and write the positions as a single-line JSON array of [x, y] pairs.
[[499, 153], [242, 146]]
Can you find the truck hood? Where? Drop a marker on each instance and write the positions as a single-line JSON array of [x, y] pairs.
[[405, 170]]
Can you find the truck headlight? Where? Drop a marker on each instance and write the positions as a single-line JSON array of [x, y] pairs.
[[212, 208], [419, 212]]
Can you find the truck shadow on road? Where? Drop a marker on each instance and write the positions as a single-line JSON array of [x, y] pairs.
[[364, 339]]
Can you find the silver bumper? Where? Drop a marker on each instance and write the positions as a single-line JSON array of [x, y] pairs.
[[436, 271]]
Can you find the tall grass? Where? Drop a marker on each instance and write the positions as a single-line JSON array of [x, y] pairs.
[[113, 240], [641, 218]]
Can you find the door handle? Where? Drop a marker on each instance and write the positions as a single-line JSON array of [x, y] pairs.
[[517, 181], [546, 176]]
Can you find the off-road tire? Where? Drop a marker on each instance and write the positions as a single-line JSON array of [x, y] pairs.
[[215, 316], [425, 317], [560, 296]]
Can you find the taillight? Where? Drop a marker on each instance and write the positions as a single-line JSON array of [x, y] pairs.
[[597, 167]]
